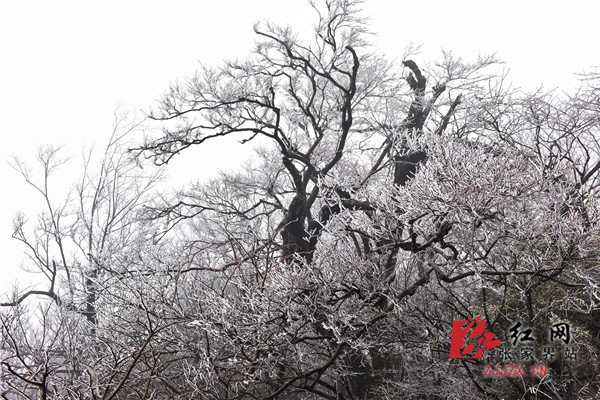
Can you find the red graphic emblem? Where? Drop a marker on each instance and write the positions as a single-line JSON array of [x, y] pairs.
[[469, 339]]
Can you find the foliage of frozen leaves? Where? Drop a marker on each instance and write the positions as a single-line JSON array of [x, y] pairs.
[[493, 200]]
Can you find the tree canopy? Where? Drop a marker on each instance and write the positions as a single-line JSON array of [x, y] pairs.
[[384, 201]]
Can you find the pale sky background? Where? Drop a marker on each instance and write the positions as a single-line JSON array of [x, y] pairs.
[[65, 66]]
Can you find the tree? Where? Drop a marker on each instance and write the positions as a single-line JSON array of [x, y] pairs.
[[85, 248], [384, 202], [326, 244]]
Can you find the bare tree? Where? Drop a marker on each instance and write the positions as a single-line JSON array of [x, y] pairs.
[[86, 247]]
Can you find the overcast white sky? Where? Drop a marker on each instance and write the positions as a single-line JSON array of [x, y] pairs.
[[66, 65]]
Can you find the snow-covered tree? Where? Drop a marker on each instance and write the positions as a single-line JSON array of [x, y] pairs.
[[383, 201]]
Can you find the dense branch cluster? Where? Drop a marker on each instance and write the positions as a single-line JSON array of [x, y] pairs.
[[384, 201]]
